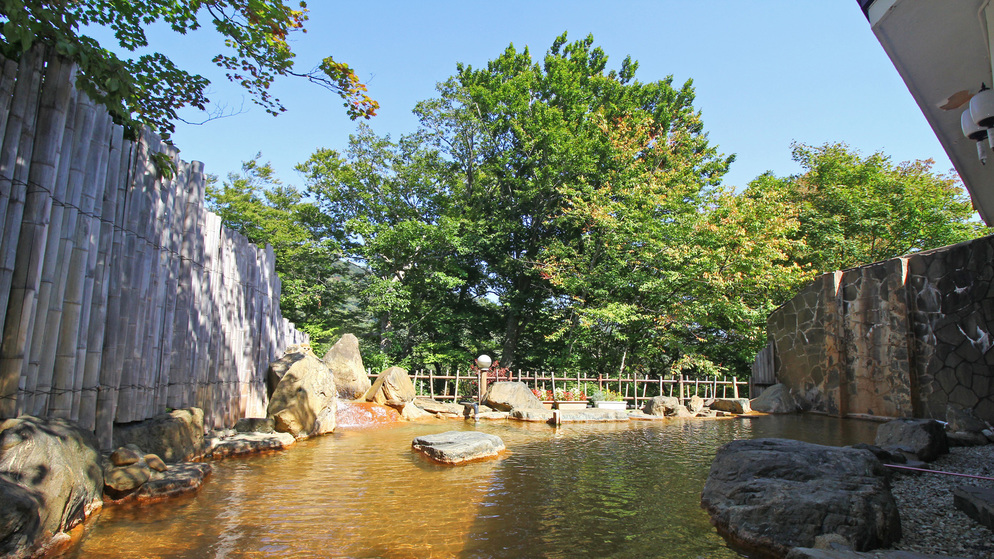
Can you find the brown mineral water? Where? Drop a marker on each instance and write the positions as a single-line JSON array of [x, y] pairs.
[[597, 490]]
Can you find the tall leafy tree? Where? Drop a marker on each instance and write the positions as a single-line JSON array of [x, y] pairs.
[[393, 207], [856, 209], [149, 90], [524, 134]]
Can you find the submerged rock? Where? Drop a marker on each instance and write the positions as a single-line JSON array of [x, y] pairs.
[[345, 363], [775, 494], [457, 447], [507, 396], [250, 443]]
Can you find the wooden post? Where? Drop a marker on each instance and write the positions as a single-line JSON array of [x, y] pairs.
[[455, 389], [735, 387], [682, 399]]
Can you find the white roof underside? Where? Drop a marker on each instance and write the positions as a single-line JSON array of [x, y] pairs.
[[940, 48]]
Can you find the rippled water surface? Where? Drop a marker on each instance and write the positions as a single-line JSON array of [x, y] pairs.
[[599, 490]]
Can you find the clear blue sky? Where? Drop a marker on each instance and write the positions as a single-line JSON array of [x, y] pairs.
[[766, 73]]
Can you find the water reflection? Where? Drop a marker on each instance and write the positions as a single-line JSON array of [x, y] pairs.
[[607, 490]]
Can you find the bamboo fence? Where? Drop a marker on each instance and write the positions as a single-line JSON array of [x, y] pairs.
[[124, 296], [634, 389]]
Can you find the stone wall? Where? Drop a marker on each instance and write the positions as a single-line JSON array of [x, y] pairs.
[[903, 337]]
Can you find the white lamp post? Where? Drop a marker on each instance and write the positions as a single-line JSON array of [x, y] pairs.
[[483, 362]]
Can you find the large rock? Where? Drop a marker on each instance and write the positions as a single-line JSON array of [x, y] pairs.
[[775, 399], [774, 494], [20, 519], [963, 419], [393, 386], [345, 363], [507, 396], [925, 438], [278, 368], [976, 502], [695, 404], [305, 400], [410, 412], [457, 447], [433, 406], [661, 405], [732, 405], [51, 475], [176, 436]]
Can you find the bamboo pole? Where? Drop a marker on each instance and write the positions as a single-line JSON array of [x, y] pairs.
[[96, 330], [171, 246], [132, 374], [114, 354], [17, 146], [34, 217], [99, 178], [85, 120], [64, 386], [111, 354], [18, 142], [8, 77], [37, 400]]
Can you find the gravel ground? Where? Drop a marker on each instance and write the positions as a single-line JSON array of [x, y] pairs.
[[929, 521]]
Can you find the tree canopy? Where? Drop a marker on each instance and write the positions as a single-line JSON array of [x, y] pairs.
[[557, 214], [150, 89]]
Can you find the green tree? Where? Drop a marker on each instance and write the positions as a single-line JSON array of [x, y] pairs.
[[150, 89], [393, 208], [528, 137], [854, 210]]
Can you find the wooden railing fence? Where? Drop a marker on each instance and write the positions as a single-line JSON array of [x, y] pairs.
[[123, 295], [635, 390]]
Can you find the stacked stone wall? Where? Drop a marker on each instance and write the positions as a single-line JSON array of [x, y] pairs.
[[902, 337]]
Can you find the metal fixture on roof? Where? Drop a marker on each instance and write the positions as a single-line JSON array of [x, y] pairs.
[[977, 120]]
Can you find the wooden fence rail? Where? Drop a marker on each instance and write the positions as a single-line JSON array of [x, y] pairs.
[[634, 389], [123, 295]]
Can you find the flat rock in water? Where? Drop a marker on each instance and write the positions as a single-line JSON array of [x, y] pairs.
[[493, 415], [576, 416], [457, 447], [251, 443], [179, 479], [733, 405], [977, 503], [434, 406]]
